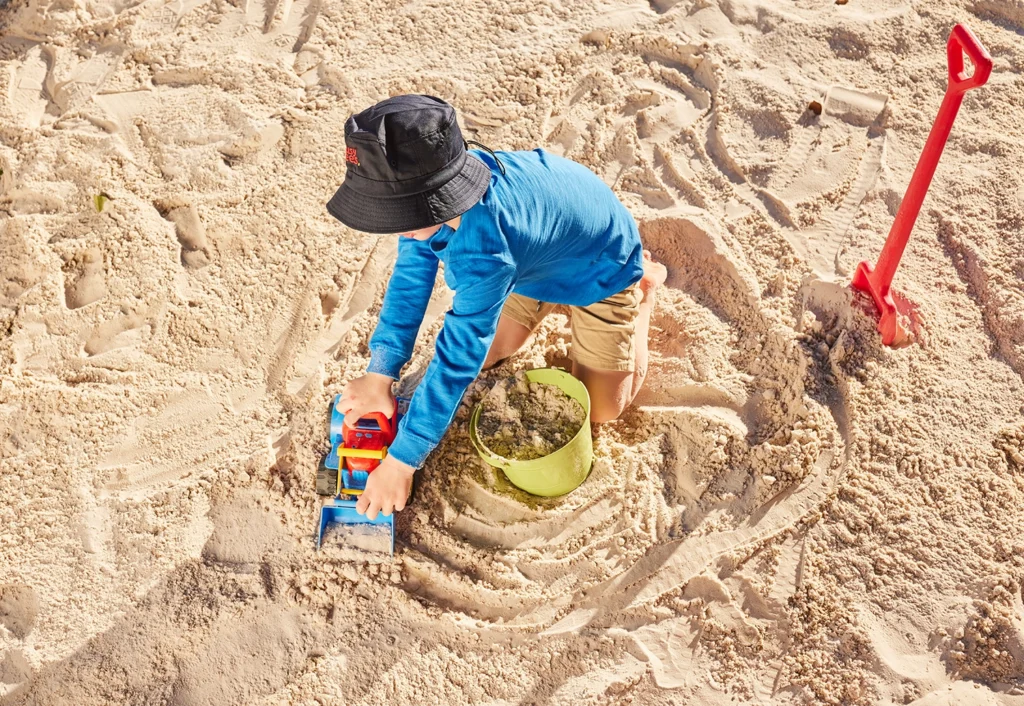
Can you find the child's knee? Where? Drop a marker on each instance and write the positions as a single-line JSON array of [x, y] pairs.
[[606, 410], [609, 391]]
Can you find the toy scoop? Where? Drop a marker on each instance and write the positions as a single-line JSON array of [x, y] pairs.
[[877, 280]]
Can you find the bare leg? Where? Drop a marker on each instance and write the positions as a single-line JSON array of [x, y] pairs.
[[611, 391], [654, 276], [608, 389], [509, 338]]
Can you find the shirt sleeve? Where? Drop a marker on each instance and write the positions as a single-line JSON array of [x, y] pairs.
[[405, 302], [459, 355]]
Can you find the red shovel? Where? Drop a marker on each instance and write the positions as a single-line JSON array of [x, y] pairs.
[[876, 280]]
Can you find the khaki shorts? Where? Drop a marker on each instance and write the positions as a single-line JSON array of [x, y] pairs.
[[603, 334]]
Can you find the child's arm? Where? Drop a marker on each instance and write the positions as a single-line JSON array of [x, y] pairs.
[[405, 302], [459, 355]]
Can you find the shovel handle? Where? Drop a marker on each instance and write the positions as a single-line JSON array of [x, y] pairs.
[[962, 41]]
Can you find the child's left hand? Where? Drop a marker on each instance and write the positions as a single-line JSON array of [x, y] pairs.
[[387, 488]]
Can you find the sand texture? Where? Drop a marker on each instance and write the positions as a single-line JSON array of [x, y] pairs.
[[791, 514], [524, 420]]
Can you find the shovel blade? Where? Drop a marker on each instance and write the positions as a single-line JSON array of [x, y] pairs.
[[898, 317], [343, 511]]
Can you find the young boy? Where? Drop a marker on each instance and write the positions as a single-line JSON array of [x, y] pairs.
[[518, 232]]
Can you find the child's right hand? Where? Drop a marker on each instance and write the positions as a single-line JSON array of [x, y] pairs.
[[366, 394]]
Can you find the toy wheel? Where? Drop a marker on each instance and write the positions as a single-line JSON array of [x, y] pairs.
[[326, 479]]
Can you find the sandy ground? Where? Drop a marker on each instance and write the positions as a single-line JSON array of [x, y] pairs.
[[792, 514]]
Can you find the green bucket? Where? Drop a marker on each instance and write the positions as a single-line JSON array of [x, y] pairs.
[[558, 472]]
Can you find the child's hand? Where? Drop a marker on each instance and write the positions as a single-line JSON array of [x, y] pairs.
[[387, 488], [369, 393]]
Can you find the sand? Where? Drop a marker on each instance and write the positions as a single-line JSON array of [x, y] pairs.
[[526, 420], [791, 514]]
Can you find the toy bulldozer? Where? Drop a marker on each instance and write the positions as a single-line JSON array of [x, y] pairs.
[[355, 453]]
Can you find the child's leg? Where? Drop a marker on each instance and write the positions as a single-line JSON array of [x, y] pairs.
[[520, 316], [510, 337], [654, 276], [611, 390]]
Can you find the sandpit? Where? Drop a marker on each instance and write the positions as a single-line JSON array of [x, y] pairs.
[[790, 514]]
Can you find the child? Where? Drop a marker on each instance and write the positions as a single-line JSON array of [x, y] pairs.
[[518, 232]]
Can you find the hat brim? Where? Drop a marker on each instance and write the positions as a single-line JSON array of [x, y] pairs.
[[397, 214]]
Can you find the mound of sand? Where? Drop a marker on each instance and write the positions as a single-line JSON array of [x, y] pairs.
[[791, 513]]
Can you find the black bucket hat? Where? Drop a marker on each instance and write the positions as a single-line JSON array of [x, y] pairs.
[[406, 167]]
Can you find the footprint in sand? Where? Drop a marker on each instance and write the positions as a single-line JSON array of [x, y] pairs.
[[334, 79], [19, 269], [168, 17], [14, 669], [189, 228], [27, 93], [252, 141], [19, 608], [84, 279], [124, 330], [86, 78], [285, 22], [24, 202], [838, 152], [285, 25]]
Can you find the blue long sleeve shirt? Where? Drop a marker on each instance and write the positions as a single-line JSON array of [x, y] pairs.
[[548, 229]]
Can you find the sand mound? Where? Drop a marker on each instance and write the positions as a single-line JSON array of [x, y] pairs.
[[790, 514]]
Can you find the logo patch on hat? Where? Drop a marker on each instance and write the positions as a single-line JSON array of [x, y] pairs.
[[351, 157]]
